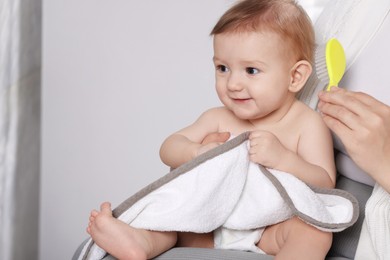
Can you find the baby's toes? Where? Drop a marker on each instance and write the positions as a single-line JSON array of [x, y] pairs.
[[89, 229], [91, 218], [106, 208], [94, 213]]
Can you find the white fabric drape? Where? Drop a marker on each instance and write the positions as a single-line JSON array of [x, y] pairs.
[[8, 111], [375, 235], [313, 7], [20, 33]]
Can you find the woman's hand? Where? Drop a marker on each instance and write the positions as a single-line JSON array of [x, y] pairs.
[[363, 125]]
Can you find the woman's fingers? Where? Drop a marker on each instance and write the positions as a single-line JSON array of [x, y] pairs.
[[345, 134], [364, 98], [362, 123], [352, 109], [337, 115]]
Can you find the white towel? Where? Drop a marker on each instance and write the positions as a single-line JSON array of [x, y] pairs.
[[223, 188]]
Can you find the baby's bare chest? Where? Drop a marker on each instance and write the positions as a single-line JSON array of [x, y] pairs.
[[287, 133]]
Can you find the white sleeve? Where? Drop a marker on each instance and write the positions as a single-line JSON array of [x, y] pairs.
[[375, 236]]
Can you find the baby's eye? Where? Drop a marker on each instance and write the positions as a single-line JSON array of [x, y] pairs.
[[222, 68], [252, 71]]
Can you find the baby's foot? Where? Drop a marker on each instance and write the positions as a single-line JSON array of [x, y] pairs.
[[115, 236]]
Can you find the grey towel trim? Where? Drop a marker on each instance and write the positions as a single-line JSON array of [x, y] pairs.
[[329, 226], [179, 171], [124, 206]]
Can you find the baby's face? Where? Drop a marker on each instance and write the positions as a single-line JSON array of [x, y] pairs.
[[253, 73]]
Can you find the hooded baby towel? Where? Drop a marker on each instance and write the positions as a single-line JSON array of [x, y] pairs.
[[223, 188]]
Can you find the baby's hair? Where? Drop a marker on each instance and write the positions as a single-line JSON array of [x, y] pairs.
[[284, 17]]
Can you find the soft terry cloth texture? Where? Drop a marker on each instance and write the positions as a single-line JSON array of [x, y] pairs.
[[241, 240], [375, 237], [223, 188]]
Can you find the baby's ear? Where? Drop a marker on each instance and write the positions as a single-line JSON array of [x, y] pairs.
[[300, 72]]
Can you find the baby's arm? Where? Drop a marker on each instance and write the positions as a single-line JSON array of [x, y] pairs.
[[316, 163], [186, 144], [312, 162]]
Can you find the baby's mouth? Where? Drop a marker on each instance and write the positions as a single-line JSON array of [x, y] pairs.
[[240, 100]]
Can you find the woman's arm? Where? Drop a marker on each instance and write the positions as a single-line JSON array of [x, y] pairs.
[[363, 125]]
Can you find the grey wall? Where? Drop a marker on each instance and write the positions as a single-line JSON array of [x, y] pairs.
[[118, 77]]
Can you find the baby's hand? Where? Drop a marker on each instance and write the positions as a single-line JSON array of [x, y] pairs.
[[265, 149], [206, 147], [213, 140]]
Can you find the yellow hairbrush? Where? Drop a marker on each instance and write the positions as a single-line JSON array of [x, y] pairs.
[[332, 68]]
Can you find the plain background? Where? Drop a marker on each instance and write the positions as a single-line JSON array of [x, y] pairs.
[[118, 77]]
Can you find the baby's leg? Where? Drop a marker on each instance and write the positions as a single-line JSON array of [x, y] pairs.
[[123, 241], [189, 239], [294, 239]]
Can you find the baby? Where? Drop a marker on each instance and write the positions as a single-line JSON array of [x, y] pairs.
[[263, 51]]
